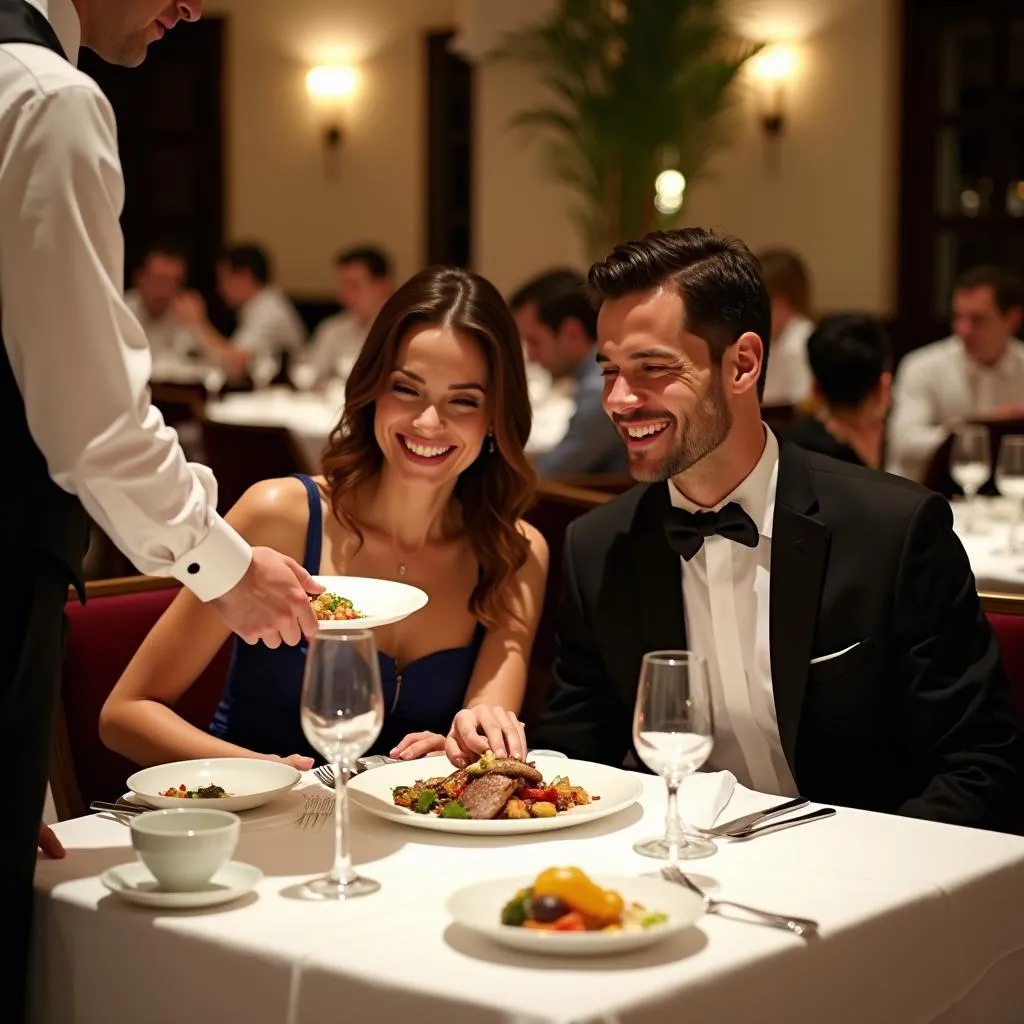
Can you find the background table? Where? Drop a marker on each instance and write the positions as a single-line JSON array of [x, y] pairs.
[[987, 544], [919, 922]]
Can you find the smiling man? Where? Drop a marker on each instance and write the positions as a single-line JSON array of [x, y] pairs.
[[848, 655], [80, 435]]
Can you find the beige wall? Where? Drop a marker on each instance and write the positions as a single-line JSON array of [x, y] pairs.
[[277, 188], [830, 190]]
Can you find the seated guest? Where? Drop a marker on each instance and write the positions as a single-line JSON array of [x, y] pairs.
[[557, 322], [157, 282], [975, 373], [363, 285], [268, 324], [789, 289], [424, 481], [848, 654], [849, 356]]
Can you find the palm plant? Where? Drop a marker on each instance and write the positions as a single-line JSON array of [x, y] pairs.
[[638, 87]]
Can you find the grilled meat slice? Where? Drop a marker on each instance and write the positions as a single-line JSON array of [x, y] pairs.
[[485, 797], [516, 769]]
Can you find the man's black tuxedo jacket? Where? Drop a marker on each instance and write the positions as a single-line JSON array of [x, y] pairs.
[[916, 719]]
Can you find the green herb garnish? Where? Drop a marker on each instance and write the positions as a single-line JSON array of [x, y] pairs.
[[653, 918], [425, 801], [454, 810]]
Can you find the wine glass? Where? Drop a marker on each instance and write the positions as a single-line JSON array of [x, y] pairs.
[[1010, 480], [970, 463], [673, 733], [342, 714]]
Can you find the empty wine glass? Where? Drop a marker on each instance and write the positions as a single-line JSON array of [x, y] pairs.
[[673, 732], [1010, 480], [970, 463], [342, 714]]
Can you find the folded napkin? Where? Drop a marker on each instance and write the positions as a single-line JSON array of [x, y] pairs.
[[703, 796]]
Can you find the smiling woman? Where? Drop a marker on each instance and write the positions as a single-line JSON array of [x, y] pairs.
[[424, 479]]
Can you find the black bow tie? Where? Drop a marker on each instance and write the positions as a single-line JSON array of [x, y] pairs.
[[686, 530]]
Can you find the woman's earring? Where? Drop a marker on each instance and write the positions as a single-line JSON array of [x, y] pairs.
[[490, 443]]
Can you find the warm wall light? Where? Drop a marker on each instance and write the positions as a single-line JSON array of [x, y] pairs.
[[331, 86], [773, 67]]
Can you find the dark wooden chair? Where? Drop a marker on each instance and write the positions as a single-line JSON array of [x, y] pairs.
[[103, 635], [779, 417], [178, 403], [241, 456], [610, 483], [556, 506]]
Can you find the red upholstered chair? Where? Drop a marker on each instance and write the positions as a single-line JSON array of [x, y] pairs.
[[103, 634], [1006, 613]]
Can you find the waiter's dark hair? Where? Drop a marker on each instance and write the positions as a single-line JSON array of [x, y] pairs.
[[717, 276], [249, 257]]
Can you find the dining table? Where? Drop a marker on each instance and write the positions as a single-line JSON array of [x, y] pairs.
[[918, 922], [985, 528]]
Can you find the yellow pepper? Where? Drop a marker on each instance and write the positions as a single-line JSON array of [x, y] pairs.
[[579, 892]]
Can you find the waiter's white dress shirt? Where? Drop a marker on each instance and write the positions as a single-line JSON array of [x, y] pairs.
[[80, 358], [938, 386], [726, 589]]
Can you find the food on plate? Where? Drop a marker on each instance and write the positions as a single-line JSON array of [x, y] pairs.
[[210, 792], [567, 900], [328, 606], [492, 787]]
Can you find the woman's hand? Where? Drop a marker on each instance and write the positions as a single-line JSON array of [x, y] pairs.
[[299, 761], [418, 744], [49, 843], [482, 728]]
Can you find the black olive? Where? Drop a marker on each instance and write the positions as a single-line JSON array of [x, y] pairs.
[[546, 909]]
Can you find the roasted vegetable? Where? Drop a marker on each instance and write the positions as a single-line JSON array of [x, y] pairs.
[[577, 891], [543, 809], [514, 912]]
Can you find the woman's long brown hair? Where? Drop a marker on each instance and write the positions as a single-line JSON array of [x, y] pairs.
[[498, 487]]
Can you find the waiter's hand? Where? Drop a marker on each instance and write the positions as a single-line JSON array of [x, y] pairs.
[[271, 601], [50, 844]]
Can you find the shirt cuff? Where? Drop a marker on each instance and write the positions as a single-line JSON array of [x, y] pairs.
[[215, 564]]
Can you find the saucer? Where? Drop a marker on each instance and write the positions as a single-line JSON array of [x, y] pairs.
[[133, 882]]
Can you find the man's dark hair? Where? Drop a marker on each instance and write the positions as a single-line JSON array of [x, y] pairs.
[[848, 353], [249, 257], [1005, 285], [559, 294], [717, 276], [375, 260], [163, 247], [785, 276]]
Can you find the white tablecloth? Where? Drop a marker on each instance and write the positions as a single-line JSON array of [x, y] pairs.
[[311, 416], [919, 922], [987, 543]]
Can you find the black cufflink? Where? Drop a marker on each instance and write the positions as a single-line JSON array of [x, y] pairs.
[[193, 568]]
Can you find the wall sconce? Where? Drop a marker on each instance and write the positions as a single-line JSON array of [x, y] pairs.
[[331, 87], [773, 67]]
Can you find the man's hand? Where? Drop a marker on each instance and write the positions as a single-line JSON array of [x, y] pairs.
[[271, 601], [50, 844], [190, 308]]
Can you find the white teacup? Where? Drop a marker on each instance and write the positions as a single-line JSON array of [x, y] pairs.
[[184, 848]]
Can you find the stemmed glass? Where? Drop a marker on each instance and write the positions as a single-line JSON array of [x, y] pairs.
[[342, 714], [673, 732], [1010, 480], [970, 463]]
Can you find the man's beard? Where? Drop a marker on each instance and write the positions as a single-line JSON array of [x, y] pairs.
[[700, 434]]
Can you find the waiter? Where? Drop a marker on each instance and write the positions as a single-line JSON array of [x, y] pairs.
[[77, 429]]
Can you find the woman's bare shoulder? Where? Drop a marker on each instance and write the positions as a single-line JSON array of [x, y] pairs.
[[274, 513]]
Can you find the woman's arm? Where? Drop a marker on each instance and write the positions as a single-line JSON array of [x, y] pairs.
[[138, 719], [496, 690]]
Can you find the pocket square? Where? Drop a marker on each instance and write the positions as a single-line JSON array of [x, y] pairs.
[[836, 654]]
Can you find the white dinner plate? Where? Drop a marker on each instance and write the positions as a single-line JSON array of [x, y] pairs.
[[134, 883], [282, 810], [615, 788], [380, 601], [478, 908], [250, 781]]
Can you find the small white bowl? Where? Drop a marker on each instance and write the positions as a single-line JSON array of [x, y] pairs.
[[185, 848], [250, 781]]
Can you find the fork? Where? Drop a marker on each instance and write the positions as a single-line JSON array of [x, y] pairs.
[[325, 773], [767, 826], [315, 812], [802, 926]]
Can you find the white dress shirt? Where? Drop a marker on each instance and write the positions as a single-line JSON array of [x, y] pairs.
[[81, 360], [789, 372], [268, 324], [938, 386], [169, 338], [726, 589], [335, 344]]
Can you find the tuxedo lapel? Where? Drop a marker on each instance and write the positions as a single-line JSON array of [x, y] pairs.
[[798, 560], [657, 574]]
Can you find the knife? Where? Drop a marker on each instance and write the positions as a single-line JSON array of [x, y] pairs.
[[751, 819], [102, 805]]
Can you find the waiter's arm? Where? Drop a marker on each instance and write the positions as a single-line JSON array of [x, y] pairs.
[[81, 359]]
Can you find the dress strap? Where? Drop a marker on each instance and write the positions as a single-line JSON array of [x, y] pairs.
[[315, 530]]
